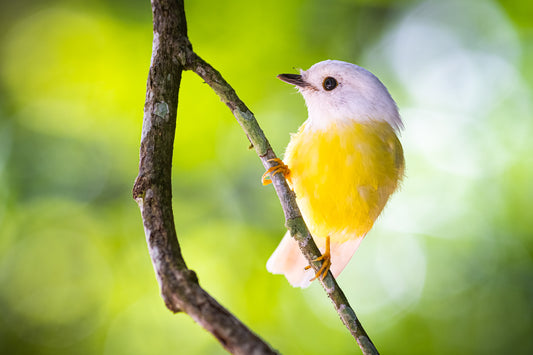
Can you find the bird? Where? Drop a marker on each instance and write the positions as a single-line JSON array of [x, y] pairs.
[[343, 164]]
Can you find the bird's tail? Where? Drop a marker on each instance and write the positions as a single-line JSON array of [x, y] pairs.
[[288, 260]]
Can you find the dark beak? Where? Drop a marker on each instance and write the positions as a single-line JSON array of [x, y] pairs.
[[293, 79]]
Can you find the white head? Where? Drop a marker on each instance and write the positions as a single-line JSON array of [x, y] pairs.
[[336, 91]]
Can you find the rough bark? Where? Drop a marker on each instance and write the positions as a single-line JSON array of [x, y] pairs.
[[179, 286]]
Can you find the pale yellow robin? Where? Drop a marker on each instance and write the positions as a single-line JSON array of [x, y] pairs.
[[343, 164]]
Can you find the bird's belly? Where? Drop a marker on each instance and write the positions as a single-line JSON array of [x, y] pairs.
[[343, 178]]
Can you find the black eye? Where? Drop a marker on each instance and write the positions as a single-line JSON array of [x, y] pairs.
[[329, 83]]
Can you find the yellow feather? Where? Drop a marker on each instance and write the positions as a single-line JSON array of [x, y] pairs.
[[343, 175]]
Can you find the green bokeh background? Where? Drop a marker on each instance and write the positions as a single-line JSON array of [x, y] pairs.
[[448, 268]]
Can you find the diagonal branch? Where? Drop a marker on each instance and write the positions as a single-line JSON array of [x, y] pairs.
[[293, 218], [152, 190]]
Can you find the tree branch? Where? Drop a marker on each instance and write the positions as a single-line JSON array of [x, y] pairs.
[[293, 218], [152, 190], [172, 53]]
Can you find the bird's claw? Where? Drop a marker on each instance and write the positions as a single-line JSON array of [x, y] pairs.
[[326, 263], [273, 170]]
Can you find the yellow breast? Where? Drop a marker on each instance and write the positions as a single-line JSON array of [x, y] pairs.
[[343, 176]]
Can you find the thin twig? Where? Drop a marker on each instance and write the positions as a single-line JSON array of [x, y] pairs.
[[293, 218], [152, 191]]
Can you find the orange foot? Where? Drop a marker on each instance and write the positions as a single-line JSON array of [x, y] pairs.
[[279, 168], [326, 264]]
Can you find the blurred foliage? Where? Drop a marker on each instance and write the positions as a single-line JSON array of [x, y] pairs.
[[448, 268]]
